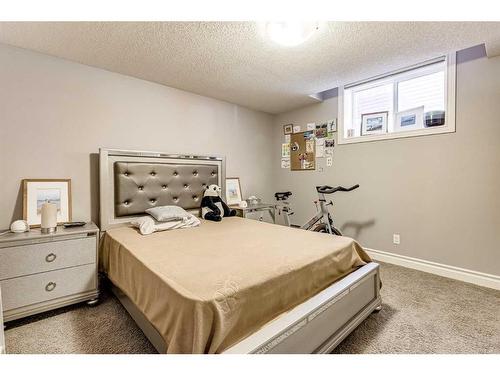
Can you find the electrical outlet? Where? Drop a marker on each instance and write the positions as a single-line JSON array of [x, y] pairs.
[[396, 240]]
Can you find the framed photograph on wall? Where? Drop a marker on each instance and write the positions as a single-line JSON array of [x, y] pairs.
[[374, 123], [233, 191], [412, 119], [288, 129], [39, 191]]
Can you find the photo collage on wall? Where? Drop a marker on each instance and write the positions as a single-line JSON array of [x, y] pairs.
[[302, 148]]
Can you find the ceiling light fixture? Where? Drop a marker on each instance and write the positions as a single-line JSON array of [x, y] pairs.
[[291, 33]]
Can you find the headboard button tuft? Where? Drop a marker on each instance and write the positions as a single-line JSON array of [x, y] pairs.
[[138, 184]]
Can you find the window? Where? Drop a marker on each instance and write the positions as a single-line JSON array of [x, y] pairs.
[[419, 100]]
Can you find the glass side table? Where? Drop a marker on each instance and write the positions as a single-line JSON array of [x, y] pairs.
[[256, 209]]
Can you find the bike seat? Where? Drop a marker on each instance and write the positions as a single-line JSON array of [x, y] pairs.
[[281, 196], [325, 189]]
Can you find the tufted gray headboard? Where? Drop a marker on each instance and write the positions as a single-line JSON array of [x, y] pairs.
[[139, 186], [133, 181]]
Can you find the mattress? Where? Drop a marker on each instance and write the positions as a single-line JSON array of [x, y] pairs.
[[206, 288]]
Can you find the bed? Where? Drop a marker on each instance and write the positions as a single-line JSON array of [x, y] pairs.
[[238, 286]]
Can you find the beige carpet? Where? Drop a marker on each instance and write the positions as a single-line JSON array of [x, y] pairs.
[[422, 313]]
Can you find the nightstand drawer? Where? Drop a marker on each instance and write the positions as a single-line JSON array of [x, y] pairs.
[[28, 290], [30, 259]]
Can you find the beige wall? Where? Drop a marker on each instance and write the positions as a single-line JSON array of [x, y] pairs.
[[440, 192], [55, 114]]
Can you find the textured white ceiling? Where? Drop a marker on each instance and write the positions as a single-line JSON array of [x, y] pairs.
[[235, 62]]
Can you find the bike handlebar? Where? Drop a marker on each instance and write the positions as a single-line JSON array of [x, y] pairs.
[[282, 196], [325, 189]]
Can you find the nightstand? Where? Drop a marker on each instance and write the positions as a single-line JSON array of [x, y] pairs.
[[256, 211], [40, 272]]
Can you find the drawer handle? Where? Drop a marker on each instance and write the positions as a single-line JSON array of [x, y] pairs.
[[50, 258], [50, 286]]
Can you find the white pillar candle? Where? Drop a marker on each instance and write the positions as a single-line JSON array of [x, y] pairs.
[[49, 215]]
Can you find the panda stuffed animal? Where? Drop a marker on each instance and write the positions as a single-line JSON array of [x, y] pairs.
[[212, 206]]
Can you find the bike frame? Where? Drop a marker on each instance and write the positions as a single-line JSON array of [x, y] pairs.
[[321, 215]]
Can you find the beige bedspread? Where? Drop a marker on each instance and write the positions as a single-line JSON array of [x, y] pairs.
[[206, 288]]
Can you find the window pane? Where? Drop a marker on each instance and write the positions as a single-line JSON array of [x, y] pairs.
[[416, 90], [427, 91], [375, 99]]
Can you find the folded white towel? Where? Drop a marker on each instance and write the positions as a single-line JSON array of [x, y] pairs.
[[148, 225]]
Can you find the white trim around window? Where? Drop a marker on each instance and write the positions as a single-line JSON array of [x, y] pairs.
[[450, 91]]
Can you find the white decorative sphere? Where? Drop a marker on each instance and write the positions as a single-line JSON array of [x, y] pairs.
[[19, 226]]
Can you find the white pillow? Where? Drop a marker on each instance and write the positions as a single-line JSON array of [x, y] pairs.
[[146, 224], [168, 213]]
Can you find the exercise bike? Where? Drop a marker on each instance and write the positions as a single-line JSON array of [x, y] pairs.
[[322, 221]]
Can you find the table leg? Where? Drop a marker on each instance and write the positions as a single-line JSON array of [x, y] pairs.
[[272, 212]]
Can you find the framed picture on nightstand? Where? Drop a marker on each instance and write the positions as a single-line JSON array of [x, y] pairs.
[[233, 191], [39, 191]]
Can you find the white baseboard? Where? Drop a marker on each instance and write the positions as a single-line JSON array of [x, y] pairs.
[[462, 274]]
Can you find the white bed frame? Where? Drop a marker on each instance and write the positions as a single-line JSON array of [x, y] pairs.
[[317, 325]]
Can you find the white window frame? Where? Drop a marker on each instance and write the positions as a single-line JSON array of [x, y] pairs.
[[450, 93]]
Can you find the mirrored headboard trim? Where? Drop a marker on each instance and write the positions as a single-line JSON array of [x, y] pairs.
[[112, 163]]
